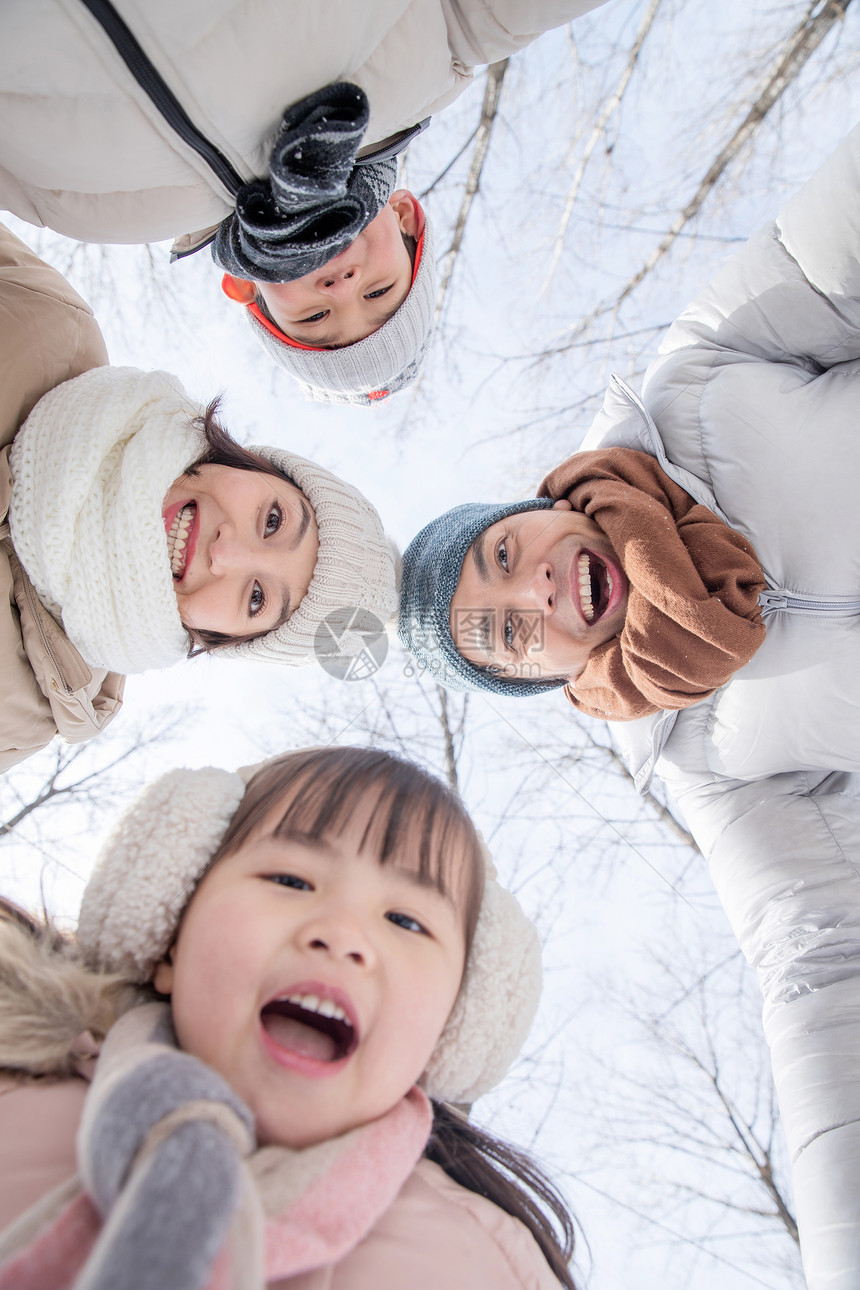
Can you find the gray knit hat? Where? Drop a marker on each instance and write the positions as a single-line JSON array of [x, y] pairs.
[[431, 571], [383, 363], [356, 569], [159, 850]]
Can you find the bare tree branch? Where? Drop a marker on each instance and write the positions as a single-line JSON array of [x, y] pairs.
[[489, 111], [821, 16], [611, 106]]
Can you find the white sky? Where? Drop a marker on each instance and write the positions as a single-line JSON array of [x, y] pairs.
[[606, 913]]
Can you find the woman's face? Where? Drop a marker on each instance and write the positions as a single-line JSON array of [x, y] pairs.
[[243, 547], [315, 980]]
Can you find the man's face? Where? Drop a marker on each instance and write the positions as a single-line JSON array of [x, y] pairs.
[[538, 592], [354, 294]]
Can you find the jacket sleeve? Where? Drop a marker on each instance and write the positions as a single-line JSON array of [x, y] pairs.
[[481, 32], [784, 855], [790, 294], [47, 333]]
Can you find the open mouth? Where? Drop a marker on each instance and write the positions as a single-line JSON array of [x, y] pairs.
[[595, 585], [310, 1027], [178, 539]]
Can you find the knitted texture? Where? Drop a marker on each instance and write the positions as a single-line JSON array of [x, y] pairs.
[[431, 571], [160, 848], [316, 200], [90, 468], [355, 569], [383, 363]]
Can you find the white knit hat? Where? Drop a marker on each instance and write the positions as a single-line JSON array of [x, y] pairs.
[[161, 846], [383, 363], [355, 569]]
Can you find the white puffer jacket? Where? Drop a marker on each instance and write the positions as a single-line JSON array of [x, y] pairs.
[[753, 406], [84, 151]]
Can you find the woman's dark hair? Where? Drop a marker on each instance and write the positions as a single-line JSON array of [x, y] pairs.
[[416, 819], [223, 450], [507, 1177]]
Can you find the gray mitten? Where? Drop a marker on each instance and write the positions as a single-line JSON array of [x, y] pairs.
[[160, 1151]]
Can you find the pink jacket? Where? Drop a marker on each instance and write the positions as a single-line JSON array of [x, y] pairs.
[[435, 1234]]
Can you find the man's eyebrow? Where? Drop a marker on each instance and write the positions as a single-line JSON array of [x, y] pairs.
[[479, 557]]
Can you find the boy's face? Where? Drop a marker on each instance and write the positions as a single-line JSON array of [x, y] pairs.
[[314, 979], [354, 294], [538, 592]]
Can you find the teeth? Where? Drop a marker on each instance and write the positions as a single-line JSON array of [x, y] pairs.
[[325, 1007], [177, 539], [584, 566]]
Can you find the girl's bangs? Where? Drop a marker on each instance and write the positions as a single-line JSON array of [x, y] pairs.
[[416, 822]]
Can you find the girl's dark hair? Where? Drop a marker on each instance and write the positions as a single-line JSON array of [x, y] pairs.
[[223, 450], [415, 817], [507, 1177]]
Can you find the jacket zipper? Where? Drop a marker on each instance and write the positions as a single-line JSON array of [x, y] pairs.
[[35, 607], [791, 604], [153, 84], [398, 145]]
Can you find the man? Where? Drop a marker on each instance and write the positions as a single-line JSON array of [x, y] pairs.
[[704, 590]]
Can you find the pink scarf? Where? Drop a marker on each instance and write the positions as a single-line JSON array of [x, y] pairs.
[[297, 1209]]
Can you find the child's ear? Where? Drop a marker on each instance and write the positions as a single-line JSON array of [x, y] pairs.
[[409, 214], [163, 979], [239, 289]]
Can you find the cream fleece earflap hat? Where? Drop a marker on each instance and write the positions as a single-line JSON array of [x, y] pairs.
[[90, 469], [162, 845]]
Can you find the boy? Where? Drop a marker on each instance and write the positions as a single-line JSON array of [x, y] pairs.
[[356, 329], [151, 122]]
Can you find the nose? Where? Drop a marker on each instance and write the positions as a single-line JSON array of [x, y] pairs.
[[537, 587], [345, 281], [228, 553], [338, 934]]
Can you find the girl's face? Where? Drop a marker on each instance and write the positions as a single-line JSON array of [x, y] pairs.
[[243, 548], [315, 980]]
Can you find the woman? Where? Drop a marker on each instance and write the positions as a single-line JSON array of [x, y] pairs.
[[134, 529]]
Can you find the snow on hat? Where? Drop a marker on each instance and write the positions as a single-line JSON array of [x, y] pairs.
[[356, 569], [431, 571], [385, 362], [161, 847]]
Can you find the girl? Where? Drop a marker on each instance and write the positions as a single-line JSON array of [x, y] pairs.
[[133, 529], [328, 937]]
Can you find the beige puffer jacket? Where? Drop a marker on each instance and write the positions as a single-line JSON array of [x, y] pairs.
[[435, 1234], [47, 335], [84, 151]]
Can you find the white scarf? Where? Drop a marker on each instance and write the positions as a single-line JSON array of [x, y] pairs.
[[90, 469]]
